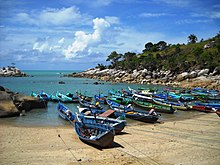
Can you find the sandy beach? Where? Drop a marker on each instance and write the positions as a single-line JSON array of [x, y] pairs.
[[192, 141]]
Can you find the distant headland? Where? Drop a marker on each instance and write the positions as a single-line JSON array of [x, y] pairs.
[[12, 71]]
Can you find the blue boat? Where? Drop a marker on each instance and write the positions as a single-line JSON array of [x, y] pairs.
[[117, 124], [42, 95], [102, 113], [125, 108], [100, 98], [65, 113], [99, 135]]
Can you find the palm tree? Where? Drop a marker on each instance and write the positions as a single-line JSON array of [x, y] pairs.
[[192, 38]]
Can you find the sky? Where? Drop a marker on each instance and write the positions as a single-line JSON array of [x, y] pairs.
[[79, 34]]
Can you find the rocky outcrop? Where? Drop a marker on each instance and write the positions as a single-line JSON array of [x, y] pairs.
[[210, 79], [11, 71], [15, 104]]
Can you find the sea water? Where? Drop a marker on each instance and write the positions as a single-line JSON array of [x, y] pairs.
[[48, 81]]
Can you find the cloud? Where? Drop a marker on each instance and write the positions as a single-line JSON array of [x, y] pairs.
[[153, 14], [177, 3], [83, 43], [61, 41], [192, 21], [52, 16]]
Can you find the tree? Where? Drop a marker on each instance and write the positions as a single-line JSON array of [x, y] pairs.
[[114, 57], [161, 45], [148, 46], [192, 38], [101, 66]]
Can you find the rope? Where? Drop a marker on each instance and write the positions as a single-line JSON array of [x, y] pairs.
[[132, 156], [68, 149], [138, 151]]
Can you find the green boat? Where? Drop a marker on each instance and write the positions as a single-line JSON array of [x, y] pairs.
[[120, 100], [157, 108]]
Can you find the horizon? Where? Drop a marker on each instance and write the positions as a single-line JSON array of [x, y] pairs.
[[78, 35]]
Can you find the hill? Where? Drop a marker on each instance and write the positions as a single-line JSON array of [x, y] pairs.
[[190, 65]]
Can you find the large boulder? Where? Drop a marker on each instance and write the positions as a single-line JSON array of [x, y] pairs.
[[7, 106], [203, 72], [13, 104], [182, 76], [193, 74]]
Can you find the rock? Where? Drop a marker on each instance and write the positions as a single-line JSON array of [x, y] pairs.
[[11, 71], [7, 107], [193, 74], [12, 104], [203, 72], [216, 71], [182, 76], [61, 82]]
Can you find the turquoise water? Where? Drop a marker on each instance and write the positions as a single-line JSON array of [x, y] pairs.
[[48, 81]]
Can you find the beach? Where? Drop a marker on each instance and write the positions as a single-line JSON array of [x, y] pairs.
[[190, 141]]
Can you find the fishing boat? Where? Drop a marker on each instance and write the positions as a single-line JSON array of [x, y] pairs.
[[124, 108], [91, 105], [146, 117], [65, 113], [218, 112], [96, 134], [120, 99], [42, 95], [175, 105], [117, 124], [201, 108], [61, 97], [100, 98], [75, 98], [83, 96], [102, 113], [209, 104], [158, 108]]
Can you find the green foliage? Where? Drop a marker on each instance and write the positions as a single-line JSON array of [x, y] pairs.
[[192, 38], [177, 58], [101, 66]]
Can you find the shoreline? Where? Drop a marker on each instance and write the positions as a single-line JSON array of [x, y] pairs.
[[189, 141], [184, 80]]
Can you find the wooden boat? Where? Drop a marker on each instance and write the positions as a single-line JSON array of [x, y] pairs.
[[175, 105], [61, 97], [201, 108], [100, 98], [91, 105], [117, 124], [120, 99], [124, 108], [218, 112], [143, 116], [102, 113], [207, 104], [133, 114], [65, 113], [42, 95], [99, 135], [158, 108], [83, 96], [75, 99]]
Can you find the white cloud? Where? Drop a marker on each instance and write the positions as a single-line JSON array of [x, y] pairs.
[[112, 19], [53, 16], [84, 42], [41, 47], [153, 14], [61, 41]]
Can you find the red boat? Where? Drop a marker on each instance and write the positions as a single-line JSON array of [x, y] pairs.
[[201, 108], [218, 112]]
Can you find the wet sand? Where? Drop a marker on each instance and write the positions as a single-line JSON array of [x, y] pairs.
[[192, 141]]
